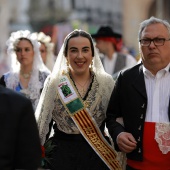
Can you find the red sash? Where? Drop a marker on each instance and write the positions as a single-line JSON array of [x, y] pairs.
[[153, 159]]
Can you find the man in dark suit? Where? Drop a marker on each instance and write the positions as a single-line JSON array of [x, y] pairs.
[[138, 115], [19, 143]]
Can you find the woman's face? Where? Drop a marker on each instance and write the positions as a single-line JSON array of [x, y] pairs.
[[43, 52], [25, 53], [79, 55]]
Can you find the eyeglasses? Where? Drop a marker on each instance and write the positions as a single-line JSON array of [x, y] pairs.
[[156, 41]]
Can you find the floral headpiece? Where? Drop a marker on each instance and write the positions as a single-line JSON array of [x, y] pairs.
[[15, 36], [45, 39]]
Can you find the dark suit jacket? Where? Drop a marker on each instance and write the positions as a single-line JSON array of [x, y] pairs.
[[19, 143], [129, 100]]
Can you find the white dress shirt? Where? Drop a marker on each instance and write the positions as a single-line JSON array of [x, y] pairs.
[[158, 94]]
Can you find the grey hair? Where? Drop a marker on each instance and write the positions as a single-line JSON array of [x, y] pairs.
[[150, 21]]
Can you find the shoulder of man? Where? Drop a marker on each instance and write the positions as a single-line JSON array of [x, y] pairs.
[[132, 71]]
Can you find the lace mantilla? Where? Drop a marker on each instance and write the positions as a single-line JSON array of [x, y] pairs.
[[46, 40], [95, 102], [162, 136], [12, 80], [32, 93]]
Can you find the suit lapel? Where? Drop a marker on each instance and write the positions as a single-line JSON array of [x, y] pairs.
[[139, 83]]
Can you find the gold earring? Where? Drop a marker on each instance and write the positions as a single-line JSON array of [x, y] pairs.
[[67, 63], [91, 67]]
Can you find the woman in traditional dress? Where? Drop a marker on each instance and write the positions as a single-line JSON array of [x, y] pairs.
[[27, 72], [75, 97]]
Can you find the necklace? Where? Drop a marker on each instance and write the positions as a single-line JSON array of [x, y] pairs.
[[83, 90], [25, 75]]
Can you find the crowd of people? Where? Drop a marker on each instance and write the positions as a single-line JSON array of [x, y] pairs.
[[93, 108]]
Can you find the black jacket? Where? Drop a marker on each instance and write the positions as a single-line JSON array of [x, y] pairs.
[[19, 143], [129, 100]]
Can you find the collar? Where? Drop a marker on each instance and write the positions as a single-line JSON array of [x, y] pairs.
[[159, 74]]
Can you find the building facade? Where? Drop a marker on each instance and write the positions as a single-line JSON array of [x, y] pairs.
[[124, 16]]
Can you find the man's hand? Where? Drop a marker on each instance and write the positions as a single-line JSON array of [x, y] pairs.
[[126, 142]]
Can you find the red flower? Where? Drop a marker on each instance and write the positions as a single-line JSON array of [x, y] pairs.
[[43, 151]]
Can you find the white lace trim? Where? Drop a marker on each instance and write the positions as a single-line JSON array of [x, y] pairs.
[[162, 136], [12, 43], [33, 90], [46, 40]]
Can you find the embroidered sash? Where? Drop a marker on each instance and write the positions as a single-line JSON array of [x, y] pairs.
[[85, 123]]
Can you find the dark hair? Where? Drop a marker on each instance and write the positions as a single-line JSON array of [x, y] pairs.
[[19, 39], [77, 33]]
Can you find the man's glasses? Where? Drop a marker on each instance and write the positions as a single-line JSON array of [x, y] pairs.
[[156, 41]]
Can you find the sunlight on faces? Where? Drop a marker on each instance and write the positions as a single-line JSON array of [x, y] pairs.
[[155, 56], [79, 55], [24, 52]]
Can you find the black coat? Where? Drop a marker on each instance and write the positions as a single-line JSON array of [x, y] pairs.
[[129, 100], [19, 143]]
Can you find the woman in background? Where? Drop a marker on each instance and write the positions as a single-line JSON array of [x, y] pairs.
[[46, 49], [27, 71]]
